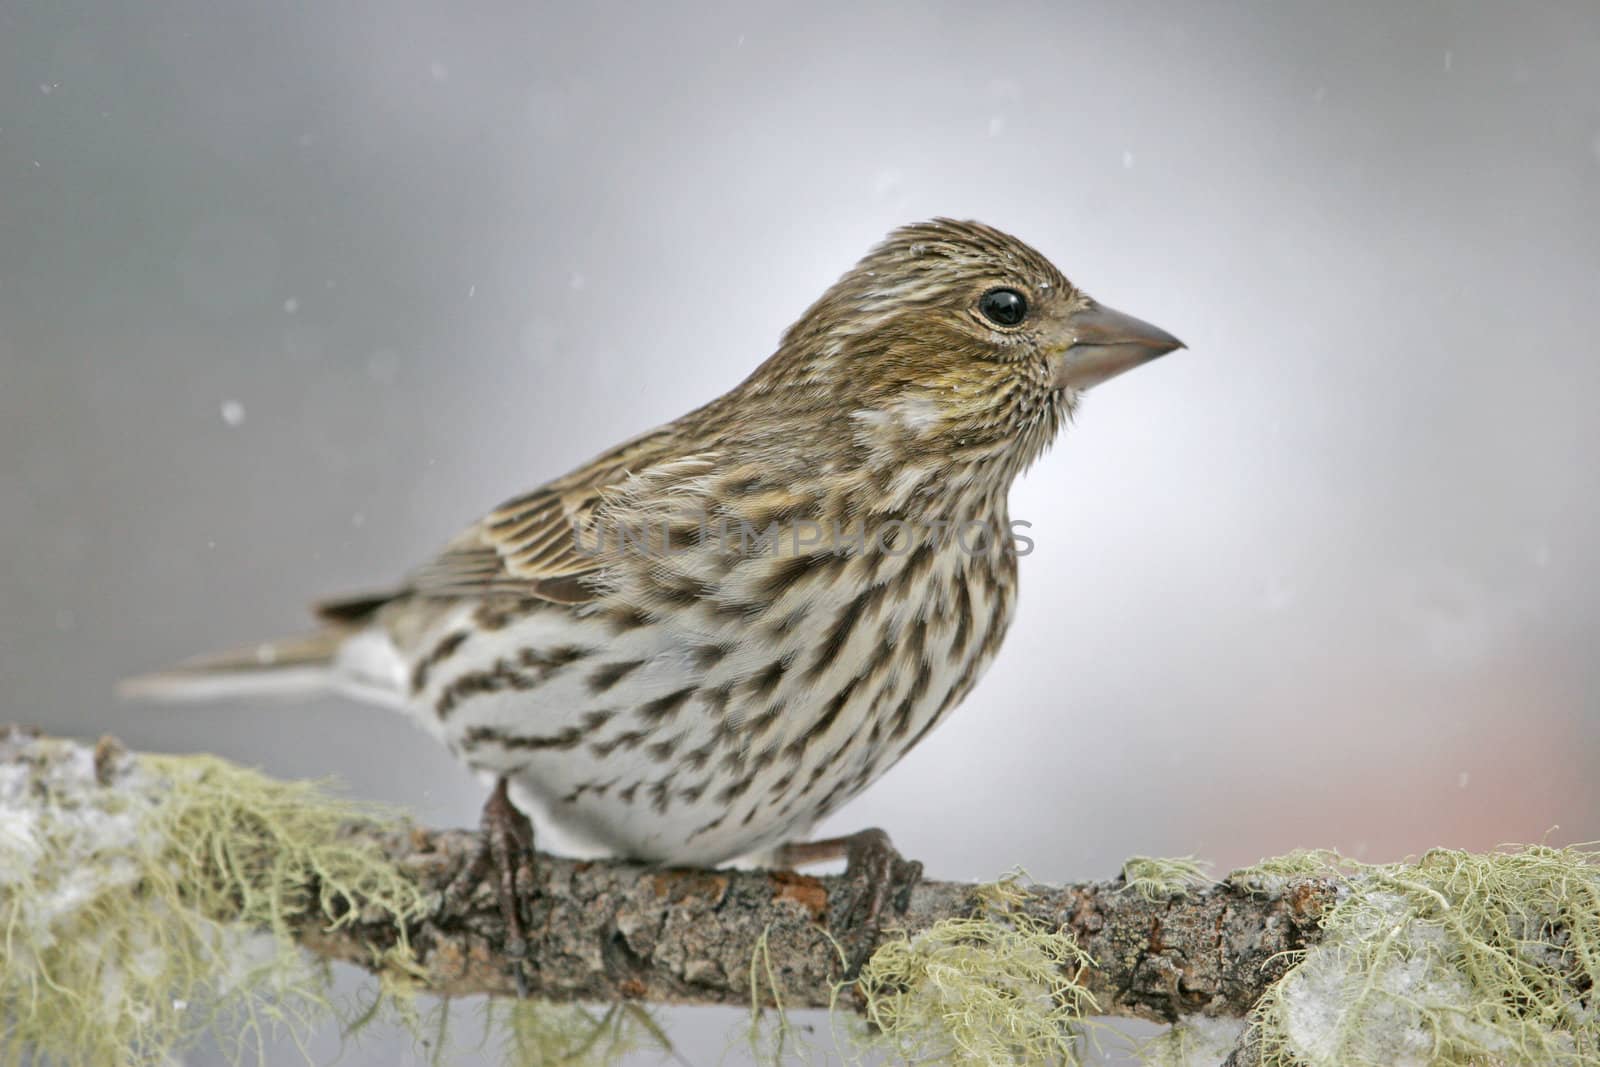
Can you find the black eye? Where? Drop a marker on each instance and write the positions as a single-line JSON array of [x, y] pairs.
[[1003, 307]]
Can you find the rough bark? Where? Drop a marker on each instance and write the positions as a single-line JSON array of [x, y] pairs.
[[603, 931], [607, 931]]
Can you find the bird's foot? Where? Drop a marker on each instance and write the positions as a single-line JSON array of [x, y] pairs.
[[882, 879], [506, 852]]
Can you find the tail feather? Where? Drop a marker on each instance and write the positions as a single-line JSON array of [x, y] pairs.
[[294, 666]]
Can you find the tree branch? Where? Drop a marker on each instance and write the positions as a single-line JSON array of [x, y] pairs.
[[607, 931]]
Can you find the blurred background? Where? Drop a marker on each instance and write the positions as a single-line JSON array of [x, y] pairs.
[[290, 293]]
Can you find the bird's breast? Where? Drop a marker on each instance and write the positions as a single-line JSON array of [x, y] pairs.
[[713, 703]]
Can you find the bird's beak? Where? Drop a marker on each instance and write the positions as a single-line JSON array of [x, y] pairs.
[[1105, 343]]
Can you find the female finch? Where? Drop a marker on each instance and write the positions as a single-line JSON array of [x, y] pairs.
[[701, 642]]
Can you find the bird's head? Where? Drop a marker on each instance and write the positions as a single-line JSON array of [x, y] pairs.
[[954, 338]]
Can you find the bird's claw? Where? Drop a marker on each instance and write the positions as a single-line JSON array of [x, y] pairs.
[[505, 852], [881, 877], [884, 879]]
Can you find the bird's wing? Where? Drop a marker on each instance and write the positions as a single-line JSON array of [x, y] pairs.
[[534, 546]]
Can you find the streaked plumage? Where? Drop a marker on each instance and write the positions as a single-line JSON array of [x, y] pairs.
[[715, 699]]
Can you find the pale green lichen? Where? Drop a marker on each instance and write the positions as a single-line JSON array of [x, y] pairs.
[[771, 1035], [1271, 877], [998, 987], [136, 918], [1156, 880], [1457, 960]]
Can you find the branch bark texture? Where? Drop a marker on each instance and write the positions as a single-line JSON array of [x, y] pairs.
[[605, 931]]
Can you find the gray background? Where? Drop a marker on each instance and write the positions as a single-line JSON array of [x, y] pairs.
[[1326, 579]]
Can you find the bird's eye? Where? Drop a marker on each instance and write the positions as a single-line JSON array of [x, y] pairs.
[[1003, 307]]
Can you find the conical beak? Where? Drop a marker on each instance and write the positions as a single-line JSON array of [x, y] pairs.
[[1105, 342]]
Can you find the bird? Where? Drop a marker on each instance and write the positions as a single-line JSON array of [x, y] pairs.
[[706, 639]]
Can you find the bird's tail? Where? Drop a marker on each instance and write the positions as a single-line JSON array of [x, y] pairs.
[[294, 666]]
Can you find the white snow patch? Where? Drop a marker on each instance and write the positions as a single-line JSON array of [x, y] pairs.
[[1337, 1010], [65, 840], [20, 846]]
